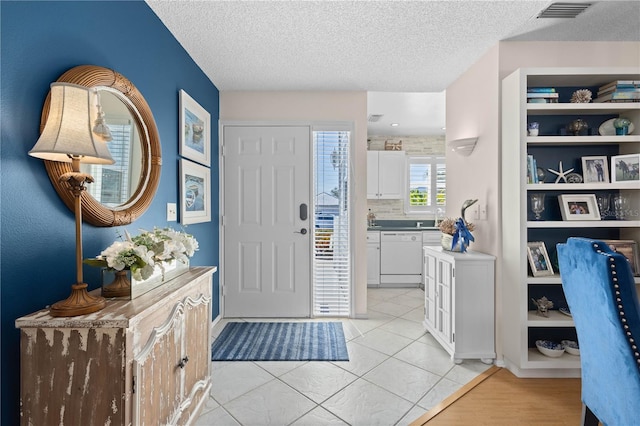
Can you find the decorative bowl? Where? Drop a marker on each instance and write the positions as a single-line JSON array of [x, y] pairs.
[[549, 348], [571, 347]]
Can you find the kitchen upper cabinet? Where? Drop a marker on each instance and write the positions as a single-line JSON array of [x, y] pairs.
[[386, 175]]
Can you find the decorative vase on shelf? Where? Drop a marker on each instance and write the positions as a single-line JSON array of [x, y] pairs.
[[577, 126], [622, 126]]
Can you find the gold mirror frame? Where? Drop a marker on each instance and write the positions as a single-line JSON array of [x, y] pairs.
[[92, 211]]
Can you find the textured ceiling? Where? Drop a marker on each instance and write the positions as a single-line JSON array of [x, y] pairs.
[[374, 46]]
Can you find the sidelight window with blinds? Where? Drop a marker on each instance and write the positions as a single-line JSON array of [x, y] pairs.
[[331, 232]]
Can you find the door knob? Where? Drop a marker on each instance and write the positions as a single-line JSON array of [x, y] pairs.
[[303, 231]]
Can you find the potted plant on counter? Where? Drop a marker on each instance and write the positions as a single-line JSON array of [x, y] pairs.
[[149, 254]]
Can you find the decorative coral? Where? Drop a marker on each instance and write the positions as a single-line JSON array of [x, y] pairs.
[[582, 96], [448, 226]]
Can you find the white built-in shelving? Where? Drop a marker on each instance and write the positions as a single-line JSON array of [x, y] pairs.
[[521, 325]]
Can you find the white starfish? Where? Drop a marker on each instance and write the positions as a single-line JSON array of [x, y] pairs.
[[562, 174]]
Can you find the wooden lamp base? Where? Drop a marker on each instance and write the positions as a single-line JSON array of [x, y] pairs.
[[80, 302]]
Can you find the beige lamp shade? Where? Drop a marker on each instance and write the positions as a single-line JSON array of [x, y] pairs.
[[68, 131]]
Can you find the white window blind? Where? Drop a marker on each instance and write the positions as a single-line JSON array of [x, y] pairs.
[[427, 184], [331, 233]]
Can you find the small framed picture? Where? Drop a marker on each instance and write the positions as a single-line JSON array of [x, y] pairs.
[[195, 130], [579, 207], [629, 249], [195, 193], [595, 169], [539, 259], [625, 168]]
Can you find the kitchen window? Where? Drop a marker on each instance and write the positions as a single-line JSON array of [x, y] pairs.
[[426, 180]]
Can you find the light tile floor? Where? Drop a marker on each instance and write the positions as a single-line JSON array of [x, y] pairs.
[[395, 373]]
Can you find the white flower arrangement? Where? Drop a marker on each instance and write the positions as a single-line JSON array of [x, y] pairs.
[[141, 253]]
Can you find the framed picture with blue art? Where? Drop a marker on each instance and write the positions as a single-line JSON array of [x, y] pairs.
[[195, 130], [195, 193]]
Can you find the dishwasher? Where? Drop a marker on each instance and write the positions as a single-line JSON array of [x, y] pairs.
[[400, 259]]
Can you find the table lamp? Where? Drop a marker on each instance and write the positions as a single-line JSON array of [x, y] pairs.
[[68, 136]]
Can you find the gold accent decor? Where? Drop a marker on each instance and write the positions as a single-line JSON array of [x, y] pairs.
[[119, 287]]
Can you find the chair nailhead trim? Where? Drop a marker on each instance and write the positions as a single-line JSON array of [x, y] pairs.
[[621, 314]]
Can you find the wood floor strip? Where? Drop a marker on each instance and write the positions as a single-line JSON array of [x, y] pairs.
[[500, 398], [442, 405]]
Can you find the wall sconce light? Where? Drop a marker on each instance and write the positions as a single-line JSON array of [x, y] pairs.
[[463, 147], [67, 137]]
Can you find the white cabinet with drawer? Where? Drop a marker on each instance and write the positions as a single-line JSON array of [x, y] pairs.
[[459, 302], [373, 259]]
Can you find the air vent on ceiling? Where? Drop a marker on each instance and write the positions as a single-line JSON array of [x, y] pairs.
[[374, 118], [564, 10]]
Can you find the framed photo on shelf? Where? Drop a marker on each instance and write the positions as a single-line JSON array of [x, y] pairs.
[[628, 248], [195, 191], [579, 207], [539, 259], [625, 168], [595, 169], [195, 130]]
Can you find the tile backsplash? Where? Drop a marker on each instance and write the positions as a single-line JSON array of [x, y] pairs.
[[412, 145]]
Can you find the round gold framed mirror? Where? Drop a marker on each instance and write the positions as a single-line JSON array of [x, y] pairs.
[[146, 161]]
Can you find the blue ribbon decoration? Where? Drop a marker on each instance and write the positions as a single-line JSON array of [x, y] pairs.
[[461, 235]]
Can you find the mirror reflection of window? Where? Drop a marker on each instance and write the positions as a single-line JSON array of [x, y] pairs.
[[115, 184]]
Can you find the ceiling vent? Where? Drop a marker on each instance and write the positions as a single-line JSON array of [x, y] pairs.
[[564, 10], [374, 118]]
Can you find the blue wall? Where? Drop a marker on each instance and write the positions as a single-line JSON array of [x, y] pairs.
[[41, 40]]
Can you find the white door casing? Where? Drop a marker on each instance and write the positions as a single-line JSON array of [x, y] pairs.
[[266, 255]]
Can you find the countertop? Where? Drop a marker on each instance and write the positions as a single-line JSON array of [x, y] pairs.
[[403, 225], [402, 228]]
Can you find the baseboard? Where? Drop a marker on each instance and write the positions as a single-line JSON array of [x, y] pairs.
[[542, 373], [212, 326]]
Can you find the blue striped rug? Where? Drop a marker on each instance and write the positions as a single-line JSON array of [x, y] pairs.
[[280, 341]]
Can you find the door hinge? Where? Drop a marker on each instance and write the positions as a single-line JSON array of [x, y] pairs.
[[223, 150], [453, 273], [222, 221], [133, 384], [453, 337]]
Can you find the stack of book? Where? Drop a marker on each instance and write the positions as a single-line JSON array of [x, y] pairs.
[[542, 95], [619, 91], [532, 170]]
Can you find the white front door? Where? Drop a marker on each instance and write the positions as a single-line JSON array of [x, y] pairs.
[[266, 226]]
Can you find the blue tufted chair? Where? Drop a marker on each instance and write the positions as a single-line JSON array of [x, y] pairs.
[[601, 294]]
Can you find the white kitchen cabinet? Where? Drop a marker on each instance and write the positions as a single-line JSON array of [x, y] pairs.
[[386, 174], [143, 361], [373, 259], [459, 302]]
